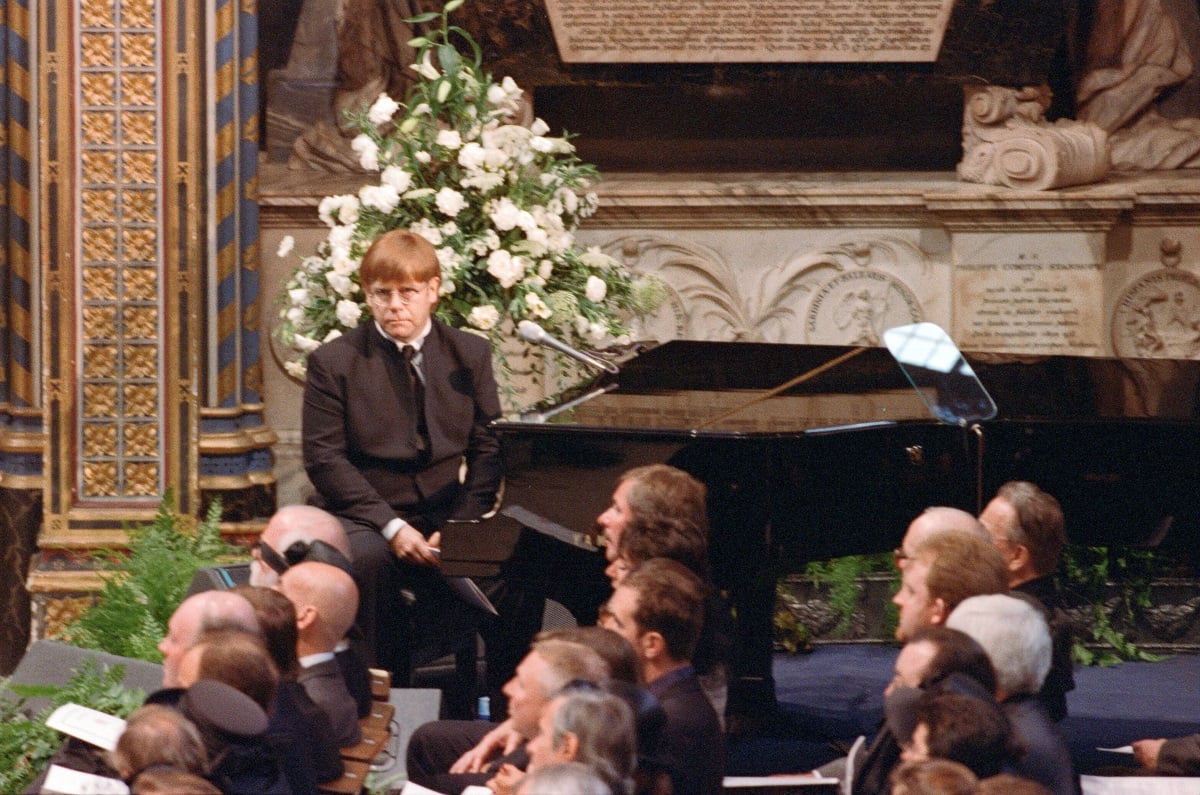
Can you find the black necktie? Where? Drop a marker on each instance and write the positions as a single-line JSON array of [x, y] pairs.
[[418, 393]]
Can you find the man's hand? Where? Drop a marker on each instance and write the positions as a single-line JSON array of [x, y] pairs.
[[411, 547], [505, 780], [498, 742], [1146, 752]]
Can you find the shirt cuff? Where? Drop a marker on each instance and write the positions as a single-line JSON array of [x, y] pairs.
[[391, 528]]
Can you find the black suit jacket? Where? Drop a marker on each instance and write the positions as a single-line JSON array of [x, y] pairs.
[[360, 443], [324, 684], [691, 746]]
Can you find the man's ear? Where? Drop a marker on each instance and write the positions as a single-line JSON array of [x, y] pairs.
[[937, 612], [652, 645], [568, 746], [1019, 559], [306, 616]]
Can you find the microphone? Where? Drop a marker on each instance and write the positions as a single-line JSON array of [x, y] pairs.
[[533, 333]]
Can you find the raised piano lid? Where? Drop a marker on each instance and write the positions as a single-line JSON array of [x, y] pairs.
[[690, 387]]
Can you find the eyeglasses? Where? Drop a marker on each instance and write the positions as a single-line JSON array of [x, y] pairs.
[[384, 296]]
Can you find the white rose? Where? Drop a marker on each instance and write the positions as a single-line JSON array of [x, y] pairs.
[[506, 268], [336, 209], [483, 181], [450, 202], [333, 334], [471, 156], [295, 314], [545, 268], [446, 286], [397, 177], [505, 215], [382, 111], [423, 157], [348, 313], [295, 369], [597, 331], [596, 289], [342, 265], [286, 245], [298, 296], [496, 95], [382, 197], [340, 284], [581, 325], [347, 211], [594, 258], [484, 317], [539, 127], [305, 344], [449, 139], [367, 151], [448, 260], [536, 306]]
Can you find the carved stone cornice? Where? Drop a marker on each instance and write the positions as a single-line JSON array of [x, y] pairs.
[[1028, 211]]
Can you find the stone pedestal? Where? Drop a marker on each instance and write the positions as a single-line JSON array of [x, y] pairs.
[[1099, 270]]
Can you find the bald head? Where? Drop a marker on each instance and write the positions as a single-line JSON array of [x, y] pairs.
[[326, 601], [938, 519], [200, 613], [292, 524]]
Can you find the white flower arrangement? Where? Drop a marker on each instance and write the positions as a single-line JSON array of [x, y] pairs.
[[499, 201]]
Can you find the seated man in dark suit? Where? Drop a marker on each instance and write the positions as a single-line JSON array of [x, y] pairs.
[[325, 599], [1026, 525], [392, 411], [659, 608]]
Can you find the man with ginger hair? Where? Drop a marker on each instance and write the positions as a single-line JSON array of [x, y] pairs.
[[393, 410], [326, 601], [945, 569]]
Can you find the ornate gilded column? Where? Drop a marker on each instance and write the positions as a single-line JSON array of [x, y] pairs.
[[21, 438], [149, 260]]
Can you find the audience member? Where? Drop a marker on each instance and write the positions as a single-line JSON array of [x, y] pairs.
[[585, 724], [1016, 638], [616, 651], [659, 608], [945, 569], [301, 727], [565, 778], [296, 533], [199, 613], [233, 726], [933, 777], [448, 755], [1026, 525], [941, 724], [233, 657], [665, 517], [933, 520], [158, 736], [932, 656], [326, 600]]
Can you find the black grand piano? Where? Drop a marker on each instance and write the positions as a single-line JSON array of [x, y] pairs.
[[811, 452]]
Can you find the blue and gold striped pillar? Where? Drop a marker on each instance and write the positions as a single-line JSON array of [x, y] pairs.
[[148, 258]]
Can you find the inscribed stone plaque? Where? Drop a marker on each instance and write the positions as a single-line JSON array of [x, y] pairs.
[[749, 31], [1029, 296]]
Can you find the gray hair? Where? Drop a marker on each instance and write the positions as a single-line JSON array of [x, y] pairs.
[[603, 725], [1015, 636], [564, 778]]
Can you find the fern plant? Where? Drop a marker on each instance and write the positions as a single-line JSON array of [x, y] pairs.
[[144, 585], [27, 743]]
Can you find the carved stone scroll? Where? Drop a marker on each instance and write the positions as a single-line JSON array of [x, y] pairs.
[[1007, 141]]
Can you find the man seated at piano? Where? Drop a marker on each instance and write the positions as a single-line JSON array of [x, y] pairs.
[[392, 411]]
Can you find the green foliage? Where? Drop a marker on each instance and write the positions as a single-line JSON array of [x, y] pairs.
[[146, 584], [840, 576], [27, 743], [1090, 573]]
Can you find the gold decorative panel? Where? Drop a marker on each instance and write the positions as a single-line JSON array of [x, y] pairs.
[[120, 269]]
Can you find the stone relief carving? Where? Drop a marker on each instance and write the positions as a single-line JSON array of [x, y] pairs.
[[1007, 141], [1158, 316], [845, 293]]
